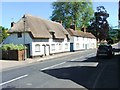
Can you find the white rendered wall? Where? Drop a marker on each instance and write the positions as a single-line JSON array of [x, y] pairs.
[[84, 43]]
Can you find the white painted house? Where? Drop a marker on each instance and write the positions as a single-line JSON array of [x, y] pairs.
[[42, 37], [80, 40]]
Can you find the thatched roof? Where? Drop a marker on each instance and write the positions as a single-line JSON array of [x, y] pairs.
[[80, 33], [38, 27]]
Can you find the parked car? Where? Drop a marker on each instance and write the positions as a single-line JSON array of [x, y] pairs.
[[105, 50]]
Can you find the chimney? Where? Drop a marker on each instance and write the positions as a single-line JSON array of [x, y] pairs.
[[84, 29], [12, 24], [72, 26], [59, 21]]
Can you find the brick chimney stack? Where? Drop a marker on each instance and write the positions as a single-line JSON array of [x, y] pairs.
[[59, 21], [72, 26], [12, 24]]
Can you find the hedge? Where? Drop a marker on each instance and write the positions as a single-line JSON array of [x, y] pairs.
[[13, 47]]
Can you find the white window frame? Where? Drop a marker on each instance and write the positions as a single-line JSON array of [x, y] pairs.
[[37, 47], [60, 46], [66, 46], [53, 47], [77, 45]]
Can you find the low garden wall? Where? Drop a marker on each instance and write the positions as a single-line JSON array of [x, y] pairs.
[[13, 55], [13, 52]]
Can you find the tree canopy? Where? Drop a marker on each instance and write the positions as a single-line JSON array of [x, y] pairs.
[[3, 33], [99, 26], [77, 13]]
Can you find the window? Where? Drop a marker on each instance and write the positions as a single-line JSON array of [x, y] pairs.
[[66, 46], [68, 39], [19, 34], [60, 46], [77, 45], [53, 47], [53, 34], [83, 45], [37, 48]]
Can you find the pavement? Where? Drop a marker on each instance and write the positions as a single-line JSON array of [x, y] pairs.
[[6, 64]]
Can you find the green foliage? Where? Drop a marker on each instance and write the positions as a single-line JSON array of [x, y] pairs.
[[3, 33], [118, 36], [114, 34], [99, 25], [77, 13], [13, 47]]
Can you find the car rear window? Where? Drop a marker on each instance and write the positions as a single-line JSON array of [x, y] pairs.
[[104, 47]]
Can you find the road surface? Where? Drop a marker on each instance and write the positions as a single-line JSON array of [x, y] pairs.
[[80, 70]]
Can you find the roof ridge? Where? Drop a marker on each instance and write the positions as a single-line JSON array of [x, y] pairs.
[[41, 18]]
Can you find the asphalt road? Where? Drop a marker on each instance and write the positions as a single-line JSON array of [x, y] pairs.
[[81, 70]]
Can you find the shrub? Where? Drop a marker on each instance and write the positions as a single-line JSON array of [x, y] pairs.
[[13, 47]]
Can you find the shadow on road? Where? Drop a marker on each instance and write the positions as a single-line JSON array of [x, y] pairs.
[[104, 75]]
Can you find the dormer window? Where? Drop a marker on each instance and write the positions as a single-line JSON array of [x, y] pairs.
[[67, 37], [53, 34]]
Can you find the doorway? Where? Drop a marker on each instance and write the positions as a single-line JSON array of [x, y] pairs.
[[28, 50]]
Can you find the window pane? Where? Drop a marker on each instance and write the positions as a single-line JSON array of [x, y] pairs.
[[77, 45], [19, 34], [37, 48], [60, 46], [53, 47], [66, 46]]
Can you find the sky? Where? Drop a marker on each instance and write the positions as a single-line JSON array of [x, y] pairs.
[[13, 11]]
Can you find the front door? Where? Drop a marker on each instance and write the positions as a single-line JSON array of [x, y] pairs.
[[28, 50], [71, 47], [47, 50], [44, 50]]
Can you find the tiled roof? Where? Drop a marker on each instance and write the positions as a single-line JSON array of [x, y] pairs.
[[39, 28]]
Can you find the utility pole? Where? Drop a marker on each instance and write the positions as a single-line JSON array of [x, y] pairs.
[[24, 36]]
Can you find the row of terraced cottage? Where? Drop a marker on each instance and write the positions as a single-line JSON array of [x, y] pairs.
[[44, 37]]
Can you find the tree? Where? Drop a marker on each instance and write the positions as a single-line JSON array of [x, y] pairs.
[[99, 25], [0, 34], [118, 36], [3, 33], [77, 13]]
